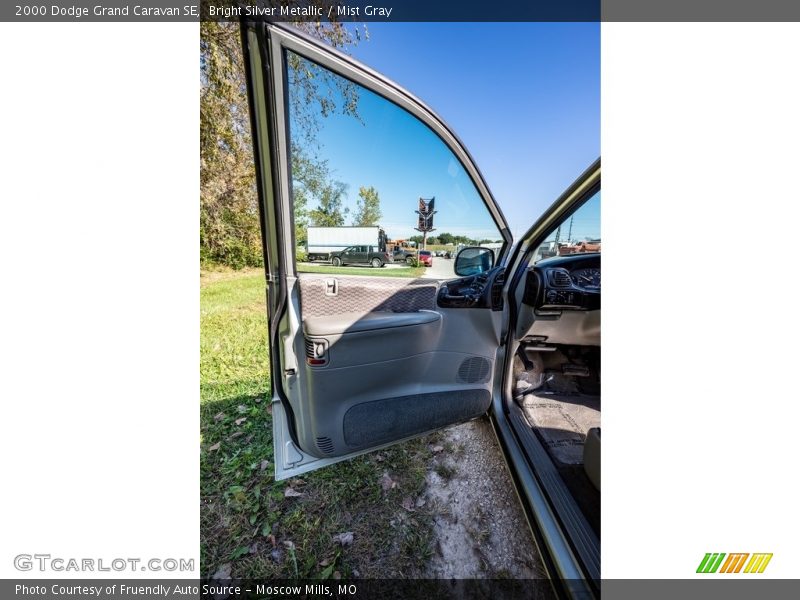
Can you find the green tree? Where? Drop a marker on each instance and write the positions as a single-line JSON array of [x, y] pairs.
[[309, 178], [445, 238], [368, 207], [330, 213], [229, 227]]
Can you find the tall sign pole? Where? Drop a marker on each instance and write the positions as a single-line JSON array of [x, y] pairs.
[[425, 219]]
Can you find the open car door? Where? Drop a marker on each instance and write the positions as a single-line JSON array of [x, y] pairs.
[[359, 362]]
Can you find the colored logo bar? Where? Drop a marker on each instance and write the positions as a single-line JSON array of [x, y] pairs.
[[717, 561]]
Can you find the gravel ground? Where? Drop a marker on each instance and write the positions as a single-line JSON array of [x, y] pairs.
[[480, 529]]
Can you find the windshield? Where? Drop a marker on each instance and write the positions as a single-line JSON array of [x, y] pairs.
[[577, 234]]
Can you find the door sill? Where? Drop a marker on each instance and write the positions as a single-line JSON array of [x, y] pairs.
[[581, 535]]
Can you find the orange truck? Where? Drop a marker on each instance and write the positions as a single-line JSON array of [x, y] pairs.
[[401, 249], [579, 247]]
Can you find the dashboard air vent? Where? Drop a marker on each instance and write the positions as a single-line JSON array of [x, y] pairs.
[[497, 290], [560, 278]]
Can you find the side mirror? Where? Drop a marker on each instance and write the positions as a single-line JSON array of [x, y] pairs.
[[474, 260]]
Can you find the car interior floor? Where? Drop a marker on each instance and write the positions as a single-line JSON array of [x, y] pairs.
[[558, 389]]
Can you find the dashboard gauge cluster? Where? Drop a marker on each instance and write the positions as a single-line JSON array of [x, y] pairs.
[[586, 279], [564, 283]]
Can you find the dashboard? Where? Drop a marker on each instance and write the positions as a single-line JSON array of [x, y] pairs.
[[561, 301], [564, 283]]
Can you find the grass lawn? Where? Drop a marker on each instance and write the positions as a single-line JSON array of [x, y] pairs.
[[249, 527]]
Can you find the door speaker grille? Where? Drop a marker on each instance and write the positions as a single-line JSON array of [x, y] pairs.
[[474, 370], [325, 445]]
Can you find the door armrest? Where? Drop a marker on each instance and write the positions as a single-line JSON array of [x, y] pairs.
[[354, 322]]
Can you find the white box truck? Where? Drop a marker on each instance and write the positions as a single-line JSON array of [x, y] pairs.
[[321, 241]]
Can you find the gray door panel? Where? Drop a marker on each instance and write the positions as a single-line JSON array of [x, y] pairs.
[[364, 294], [333, 393], [357, 348], [387, 375], [357, 364]]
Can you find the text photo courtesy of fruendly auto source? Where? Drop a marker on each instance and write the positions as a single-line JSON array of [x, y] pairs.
[[400, 347]]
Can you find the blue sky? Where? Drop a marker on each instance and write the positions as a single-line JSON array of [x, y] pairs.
[[389, 149], [523, 97]]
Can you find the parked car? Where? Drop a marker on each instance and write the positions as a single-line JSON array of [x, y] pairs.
[[360, 255], [426, 258], [510, 338]]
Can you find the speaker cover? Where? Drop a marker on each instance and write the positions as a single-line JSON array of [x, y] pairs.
[[325, 445], [474, 370], [382, 421]]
